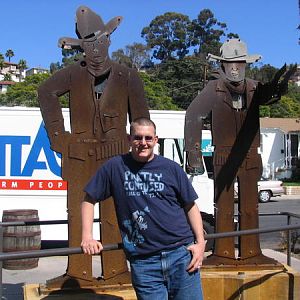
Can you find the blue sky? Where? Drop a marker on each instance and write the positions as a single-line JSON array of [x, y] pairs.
[[32, 28]]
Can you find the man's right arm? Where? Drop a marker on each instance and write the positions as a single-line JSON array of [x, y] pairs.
[[88, 244]]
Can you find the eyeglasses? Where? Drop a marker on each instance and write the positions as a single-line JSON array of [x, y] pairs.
[[139, 138]]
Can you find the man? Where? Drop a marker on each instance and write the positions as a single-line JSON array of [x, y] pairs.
[[160, 224], [232, 102], [101, 94]]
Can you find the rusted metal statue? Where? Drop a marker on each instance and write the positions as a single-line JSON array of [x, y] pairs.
[[101, 94], [232, 103]]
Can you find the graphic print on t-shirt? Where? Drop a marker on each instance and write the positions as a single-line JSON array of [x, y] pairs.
[[143, 183], [134, 227]]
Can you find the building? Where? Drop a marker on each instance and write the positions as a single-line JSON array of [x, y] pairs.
[[4, 86], [37, 70], [280, 146], [13, 70], [296, 77], [15, 74]]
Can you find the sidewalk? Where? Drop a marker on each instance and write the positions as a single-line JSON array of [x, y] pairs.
[[288, 197], [50, 267]]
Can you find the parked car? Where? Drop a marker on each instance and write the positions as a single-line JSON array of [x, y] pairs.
[[266, 189]]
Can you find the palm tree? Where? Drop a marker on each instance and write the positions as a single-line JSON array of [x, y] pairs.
[[9, 53], [1, 62], [22, 66]]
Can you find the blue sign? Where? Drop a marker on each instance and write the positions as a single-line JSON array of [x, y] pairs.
[[32, 163]]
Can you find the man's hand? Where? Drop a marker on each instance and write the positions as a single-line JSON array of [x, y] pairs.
[[90, 246], [197, 251]]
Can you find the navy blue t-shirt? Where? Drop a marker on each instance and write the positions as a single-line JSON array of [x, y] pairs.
[[149, 200]]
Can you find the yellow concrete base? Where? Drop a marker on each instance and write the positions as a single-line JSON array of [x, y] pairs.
[[251, 285], [125, 292], [217, 285]]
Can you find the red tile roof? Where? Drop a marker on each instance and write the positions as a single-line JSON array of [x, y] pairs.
[[6, 82]]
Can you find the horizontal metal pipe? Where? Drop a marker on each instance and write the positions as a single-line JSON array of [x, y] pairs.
[[51, 252], [30, 223], [283, 213], [78, 250], [250, 231], [57, 222]]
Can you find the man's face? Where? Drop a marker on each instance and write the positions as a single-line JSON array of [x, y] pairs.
[[142, 141], [96, 49], [235, 71]]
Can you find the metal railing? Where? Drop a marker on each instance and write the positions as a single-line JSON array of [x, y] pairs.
[[78, 250]]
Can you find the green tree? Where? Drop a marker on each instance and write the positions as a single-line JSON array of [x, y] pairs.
[[23, 93], [285, 108], [184, 78], [69, 56], [288, 106], [22, 66], [294, 92], [122, 58], [55, 67], [264, 111], [134, 56], [206, 33], [156, 93], [9, 53], [1, 62], [264, 74], [168, 36]]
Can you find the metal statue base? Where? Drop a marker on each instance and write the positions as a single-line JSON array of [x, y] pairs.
[[259, 284], [258, 262], [66, 282]]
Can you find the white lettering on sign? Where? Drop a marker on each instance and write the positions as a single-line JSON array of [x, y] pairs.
[[24, 184]]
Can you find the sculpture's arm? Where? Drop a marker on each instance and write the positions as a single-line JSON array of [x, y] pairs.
[[272, 91], [137, 103], [197, 111], [48, 95]]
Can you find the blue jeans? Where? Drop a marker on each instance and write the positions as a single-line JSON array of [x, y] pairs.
[[163, 276]]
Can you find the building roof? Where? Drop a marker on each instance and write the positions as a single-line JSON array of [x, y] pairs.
[[10, 63], [7, 82], [285, 124]]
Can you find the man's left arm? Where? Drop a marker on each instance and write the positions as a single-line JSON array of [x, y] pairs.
[[197, 249]]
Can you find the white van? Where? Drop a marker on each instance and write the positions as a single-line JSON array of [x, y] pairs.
[[30, 170]]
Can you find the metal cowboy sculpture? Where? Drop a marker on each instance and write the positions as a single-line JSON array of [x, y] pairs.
[[101, 94], [232, 103]]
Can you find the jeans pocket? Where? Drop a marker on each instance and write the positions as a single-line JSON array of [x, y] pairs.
[[186, 246]]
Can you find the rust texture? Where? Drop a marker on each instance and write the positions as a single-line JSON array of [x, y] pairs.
[[231, 103], [101, 94]]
